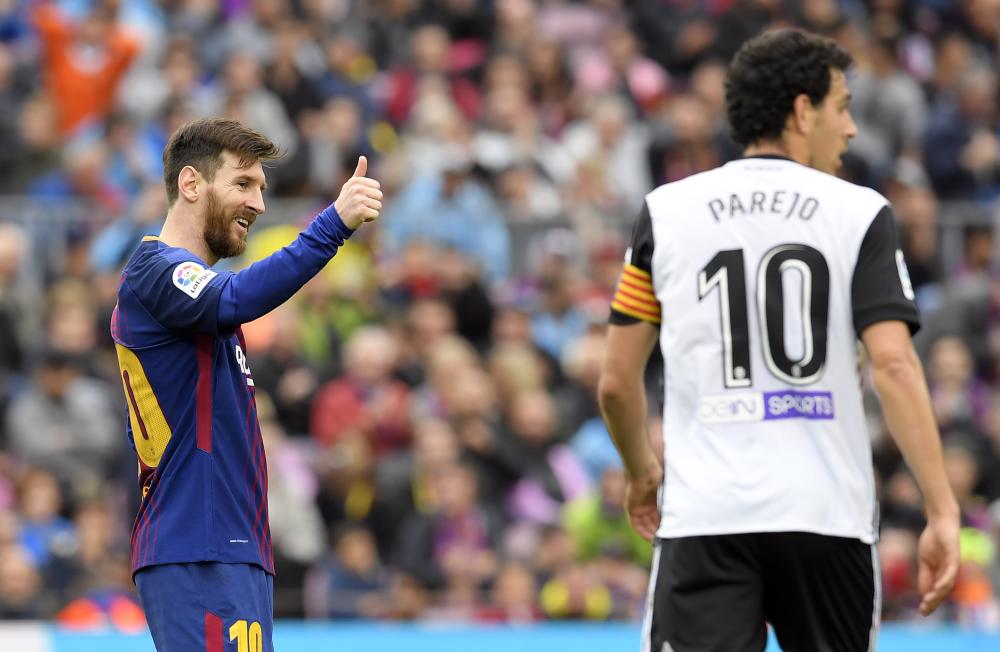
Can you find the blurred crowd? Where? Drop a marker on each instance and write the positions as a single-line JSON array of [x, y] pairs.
[[427, 401]]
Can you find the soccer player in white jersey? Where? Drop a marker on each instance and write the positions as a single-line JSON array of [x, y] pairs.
[[758, 278]]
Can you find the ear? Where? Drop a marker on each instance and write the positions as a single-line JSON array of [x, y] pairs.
[[801, 117], [189, 182]]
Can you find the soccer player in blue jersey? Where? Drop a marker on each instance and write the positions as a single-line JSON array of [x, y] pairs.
[[201, 547]]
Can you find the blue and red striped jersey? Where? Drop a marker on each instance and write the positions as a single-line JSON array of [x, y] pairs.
[[192, 418]]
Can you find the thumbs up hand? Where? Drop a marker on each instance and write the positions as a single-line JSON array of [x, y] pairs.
[[360, 199]]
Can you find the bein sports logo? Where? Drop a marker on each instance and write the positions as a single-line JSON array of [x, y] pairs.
[[745, 407], [731, 408], [191, 278], [799, 405]]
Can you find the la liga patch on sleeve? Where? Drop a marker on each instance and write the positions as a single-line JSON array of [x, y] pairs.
[[191, 278]]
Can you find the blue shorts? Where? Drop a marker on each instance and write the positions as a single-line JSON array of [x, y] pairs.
[[208, 607]]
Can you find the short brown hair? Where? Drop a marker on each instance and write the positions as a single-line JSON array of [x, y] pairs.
[[200, 143]]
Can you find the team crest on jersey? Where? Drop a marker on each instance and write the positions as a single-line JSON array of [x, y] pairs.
[[191, 278], [904, 276]]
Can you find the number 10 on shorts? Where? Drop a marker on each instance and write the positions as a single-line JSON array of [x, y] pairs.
[[248, 636]]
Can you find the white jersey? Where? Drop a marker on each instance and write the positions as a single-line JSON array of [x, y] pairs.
[[762, 274]]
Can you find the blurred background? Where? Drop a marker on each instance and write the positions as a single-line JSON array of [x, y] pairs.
[[427, 402]]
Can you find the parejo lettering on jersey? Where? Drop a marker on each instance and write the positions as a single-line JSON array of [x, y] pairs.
[[783, 203]]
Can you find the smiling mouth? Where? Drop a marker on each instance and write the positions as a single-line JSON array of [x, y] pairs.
[[244, 222]]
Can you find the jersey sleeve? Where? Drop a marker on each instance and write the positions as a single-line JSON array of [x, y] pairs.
[[635, 299], [182, 294], [260, 288], [881, 288]]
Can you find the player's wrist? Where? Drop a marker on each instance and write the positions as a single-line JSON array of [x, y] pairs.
[[340, 222], [338, 209], [646, 471], [942, 509], [940, 503]]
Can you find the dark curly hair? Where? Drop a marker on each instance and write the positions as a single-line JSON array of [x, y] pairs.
[[200, 143], [766, 75]]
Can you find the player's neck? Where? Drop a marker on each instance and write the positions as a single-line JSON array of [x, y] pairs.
[[787, 147], [184, 232]]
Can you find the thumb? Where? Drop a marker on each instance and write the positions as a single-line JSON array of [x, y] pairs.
[[362, 167]]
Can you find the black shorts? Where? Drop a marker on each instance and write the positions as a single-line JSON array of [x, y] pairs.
[[715, 593]]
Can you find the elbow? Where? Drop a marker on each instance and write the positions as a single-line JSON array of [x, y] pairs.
[[611, 391], [897, 367]]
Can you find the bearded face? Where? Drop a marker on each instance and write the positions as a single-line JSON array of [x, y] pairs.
[[224, 237]]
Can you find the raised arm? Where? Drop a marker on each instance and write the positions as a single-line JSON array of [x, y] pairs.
[[263, 286]]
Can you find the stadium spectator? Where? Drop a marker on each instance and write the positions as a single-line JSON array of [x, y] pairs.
[[44, 534], [559, 318], [84, 61], [348, 491], [430, 61], [990, 459], [451, 208], [406, 480], [64, 422], [453, 546], [353, 579], [514, 596], [145, 95], [21, 595], [548, 472], [598, 523], [959, 398], [242, 94], [297, 527], [609, 146], [336, 132], [19, 311], [890, 105], [367, 400], [576, 593], [94, 545], [961, 149], [461, 287], [38, 143]]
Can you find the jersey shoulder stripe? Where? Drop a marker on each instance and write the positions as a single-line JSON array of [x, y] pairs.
[[635, 297]]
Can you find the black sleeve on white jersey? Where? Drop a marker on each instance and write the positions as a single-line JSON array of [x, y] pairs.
[[635, 299], [641, 246], [880, 289]]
